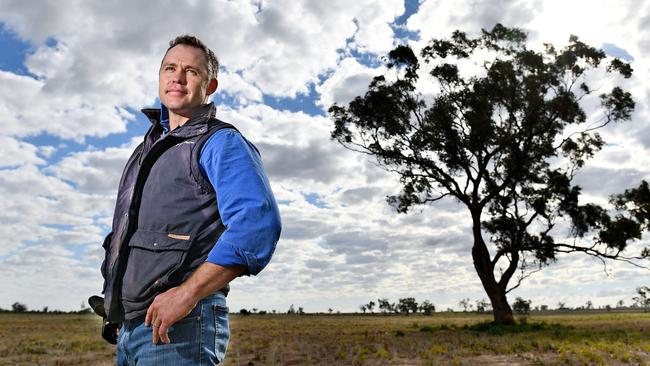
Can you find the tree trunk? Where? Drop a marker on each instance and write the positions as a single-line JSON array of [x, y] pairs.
[[485, 270], [501, 309]]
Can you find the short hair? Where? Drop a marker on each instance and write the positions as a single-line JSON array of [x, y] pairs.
[[189, 40]]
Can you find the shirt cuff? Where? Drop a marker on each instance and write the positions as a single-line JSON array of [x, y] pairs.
[[227, 255]]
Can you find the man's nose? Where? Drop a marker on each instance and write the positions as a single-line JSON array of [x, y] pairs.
[[179, 77]]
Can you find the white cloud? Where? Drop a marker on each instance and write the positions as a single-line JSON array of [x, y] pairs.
[[233, 84], [16, 153], [33, 202], [300, 40], [39, 275], [374, 34], [93, 171], [438, 18], [32, 107], [348, 81]]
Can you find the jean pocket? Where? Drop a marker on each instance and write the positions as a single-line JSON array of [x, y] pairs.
[[186, 328], [222, 330]]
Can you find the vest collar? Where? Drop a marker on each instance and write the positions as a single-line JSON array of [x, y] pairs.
[[196, 125]]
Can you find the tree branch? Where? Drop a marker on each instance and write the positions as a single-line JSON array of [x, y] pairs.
[[592, 251], [522, 277]]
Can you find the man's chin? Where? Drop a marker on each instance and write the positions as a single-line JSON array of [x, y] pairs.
[[180, 110], [177, 105], [180, 104]]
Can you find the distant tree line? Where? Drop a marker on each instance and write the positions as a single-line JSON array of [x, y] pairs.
[[18, 307], [641, 301], [521, 306], [407, 305], [292, 310]]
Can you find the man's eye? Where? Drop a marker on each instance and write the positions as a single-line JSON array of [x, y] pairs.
[[169, 68], [191, 71]]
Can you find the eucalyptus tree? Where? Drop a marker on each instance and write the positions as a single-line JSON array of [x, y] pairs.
[[505, 142]]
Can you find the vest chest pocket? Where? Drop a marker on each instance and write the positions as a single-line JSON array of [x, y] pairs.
[[153, 258]]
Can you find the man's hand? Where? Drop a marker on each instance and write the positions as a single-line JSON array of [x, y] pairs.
[[168, 308], [174, 304]]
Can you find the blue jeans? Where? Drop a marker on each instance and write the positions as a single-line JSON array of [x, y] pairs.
[[201, 338]]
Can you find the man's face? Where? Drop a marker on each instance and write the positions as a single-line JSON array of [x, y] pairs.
[[183, 79]]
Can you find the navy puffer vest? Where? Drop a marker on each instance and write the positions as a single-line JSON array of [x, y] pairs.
[[166, 219]]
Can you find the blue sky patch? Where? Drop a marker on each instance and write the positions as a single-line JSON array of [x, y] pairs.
[[14, 51], [302, 103], [315, 199], [410, 7], [615, 51], [399, 25]]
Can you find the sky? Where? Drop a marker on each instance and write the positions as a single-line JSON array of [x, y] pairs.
[[75, 74]]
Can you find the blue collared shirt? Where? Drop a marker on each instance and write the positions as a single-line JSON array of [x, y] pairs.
[[246, 203]]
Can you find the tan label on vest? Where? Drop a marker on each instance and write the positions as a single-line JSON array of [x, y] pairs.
[[179, 237]]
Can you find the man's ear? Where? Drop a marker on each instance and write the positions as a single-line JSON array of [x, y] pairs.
[[212, 86]]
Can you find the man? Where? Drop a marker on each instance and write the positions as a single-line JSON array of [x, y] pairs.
[[194, 211]]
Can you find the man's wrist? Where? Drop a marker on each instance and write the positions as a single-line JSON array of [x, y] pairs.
[[190, 292]]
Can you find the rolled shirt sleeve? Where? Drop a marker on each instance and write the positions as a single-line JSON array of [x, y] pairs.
[[246, 203]]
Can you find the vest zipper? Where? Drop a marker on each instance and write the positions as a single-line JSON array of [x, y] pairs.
[[131, 219]]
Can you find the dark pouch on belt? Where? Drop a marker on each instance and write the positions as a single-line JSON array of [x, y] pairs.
[[109, 329]]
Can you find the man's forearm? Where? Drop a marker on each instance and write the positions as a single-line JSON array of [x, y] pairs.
[[207, 279]]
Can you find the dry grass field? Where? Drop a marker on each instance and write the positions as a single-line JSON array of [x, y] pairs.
[[441, 339]]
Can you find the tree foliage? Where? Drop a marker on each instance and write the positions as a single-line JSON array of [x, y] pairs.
[[385, 306], [482, 305], [407, 305], [521, 306], [643, 298], [370, 306], [427, 307], [465, 304], [18, 307], [506, 142]]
